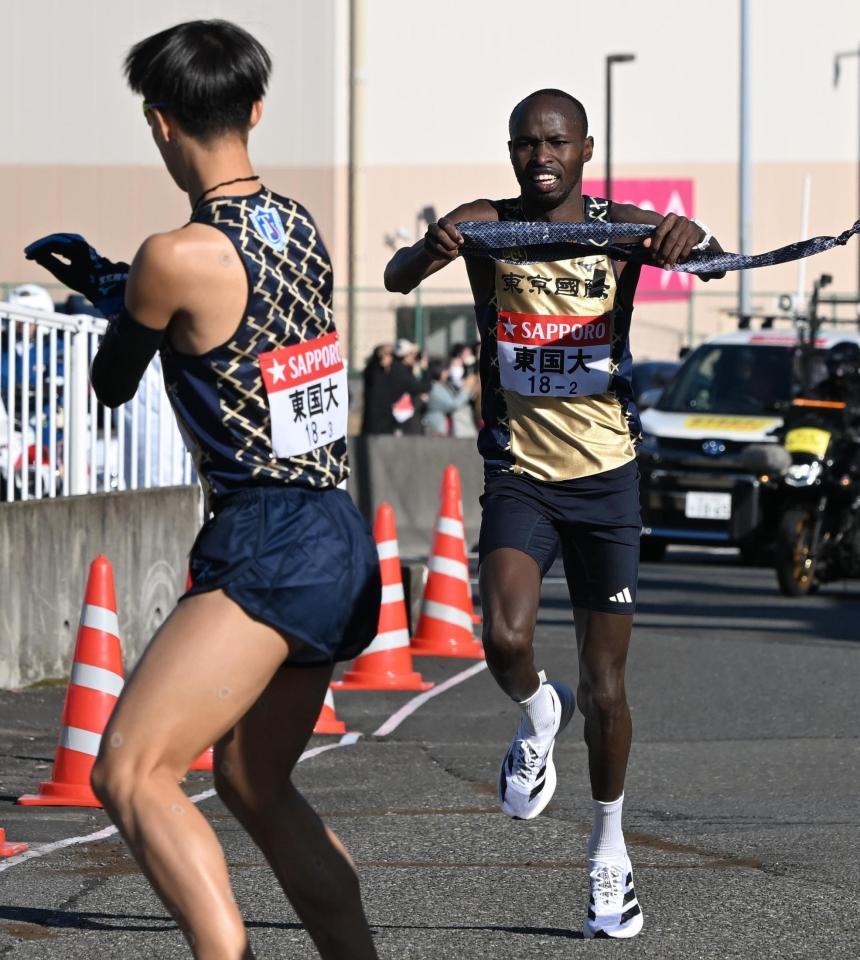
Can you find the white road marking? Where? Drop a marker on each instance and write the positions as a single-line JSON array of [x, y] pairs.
[[47, 848], [347, 740], [394, 721]]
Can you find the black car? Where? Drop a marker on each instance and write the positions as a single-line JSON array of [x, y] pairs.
[[649, 378], [699, 486]]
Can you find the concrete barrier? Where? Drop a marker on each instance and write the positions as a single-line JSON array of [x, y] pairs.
[[407, 473], [46, 548]]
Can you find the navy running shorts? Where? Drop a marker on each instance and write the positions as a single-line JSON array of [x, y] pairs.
[[301, 560], [593, 521]]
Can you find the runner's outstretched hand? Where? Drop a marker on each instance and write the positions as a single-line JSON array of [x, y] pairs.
[[673, 241], [443, 240], [80, 267]]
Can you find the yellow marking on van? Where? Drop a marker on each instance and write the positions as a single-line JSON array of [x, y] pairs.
[[717, 423]]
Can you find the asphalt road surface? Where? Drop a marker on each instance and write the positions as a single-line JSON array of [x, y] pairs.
[[742, 809]]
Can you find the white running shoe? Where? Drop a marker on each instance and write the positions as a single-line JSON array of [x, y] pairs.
[[613, 910], [527, 778]]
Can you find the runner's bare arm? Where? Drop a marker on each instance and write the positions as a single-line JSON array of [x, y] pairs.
[[133, 338], [439, 247], [674, 238]]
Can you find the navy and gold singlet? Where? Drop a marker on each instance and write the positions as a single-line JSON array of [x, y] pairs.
[[269, 406], [557, 400]]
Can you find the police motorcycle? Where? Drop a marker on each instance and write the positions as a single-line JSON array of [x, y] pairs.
[[818, 536]]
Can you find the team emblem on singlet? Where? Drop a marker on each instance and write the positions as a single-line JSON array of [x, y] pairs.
[[269, 226], [306, 388]]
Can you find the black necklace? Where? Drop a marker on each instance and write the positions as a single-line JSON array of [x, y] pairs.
[[225, 183]]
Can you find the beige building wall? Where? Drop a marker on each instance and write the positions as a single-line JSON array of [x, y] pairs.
[[76, 153], [438, 85]]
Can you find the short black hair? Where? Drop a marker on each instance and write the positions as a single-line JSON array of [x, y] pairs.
[[436, 366], [206, 73], [552, 92]]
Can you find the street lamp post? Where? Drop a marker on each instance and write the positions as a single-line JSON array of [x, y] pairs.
[[427, 215], [610, 60], [836, 61], [355, 180], [744, 166]]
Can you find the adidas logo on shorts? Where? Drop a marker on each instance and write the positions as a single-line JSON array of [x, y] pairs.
[[623, 596]]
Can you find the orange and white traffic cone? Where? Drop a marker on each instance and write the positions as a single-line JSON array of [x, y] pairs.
[[94, 686], [9, 849], [387, 663], [204, 762], [327, 721], [451, 478], [445, 625]]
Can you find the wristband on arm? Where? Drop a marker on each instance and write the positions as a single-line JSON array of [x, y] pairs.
[[122, 358], [705, 242]]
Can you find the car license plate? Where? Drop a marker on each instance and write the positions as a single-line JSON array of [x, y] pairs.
[[708, 506]]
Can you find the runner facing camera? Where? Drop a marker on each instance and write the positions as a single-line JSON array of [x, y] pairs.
[[560, 473]]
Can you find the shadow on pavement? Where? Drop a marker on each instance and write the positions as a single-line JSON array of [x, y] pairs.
[[86, 920]]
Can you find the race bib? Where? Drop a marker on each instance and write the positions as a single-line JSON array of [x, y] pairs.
[[306, 388], [554, 356]]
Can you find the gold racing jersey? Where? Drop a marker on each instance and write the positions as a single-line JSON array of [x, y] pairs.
[[557, 399]]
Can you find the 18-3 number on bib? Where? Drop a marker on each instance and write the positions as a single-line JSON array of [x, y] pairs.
[[306, 387]]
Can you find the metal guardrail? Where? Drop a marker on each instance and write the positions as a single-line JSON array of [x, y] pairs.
[[56, 439]]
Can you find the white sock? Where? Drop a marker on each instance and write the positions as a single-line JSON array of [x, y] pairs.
[[538, 712], [607, 839]]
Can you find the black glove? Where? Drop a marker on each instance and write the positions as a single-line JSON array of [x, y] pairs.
[[100, 280]]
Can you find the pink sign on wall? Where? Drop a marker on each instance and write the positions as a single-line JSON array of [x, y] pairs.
[[664, 196]]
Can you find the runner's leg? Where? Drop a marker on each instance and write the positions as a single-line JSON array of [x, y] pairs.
[[509, 582], [203, 670], [603, 640], [510, 597], [601, 569], [613, 909], [253, 764]]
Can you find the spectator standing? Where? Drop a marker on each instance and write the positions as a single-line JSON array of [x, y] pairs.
[[461, 370], [379, 391], [411, 387], [34, 297], [445, 400]]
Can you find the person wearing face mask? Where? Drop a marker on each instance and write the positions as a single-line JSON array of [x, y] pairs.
[[446, 399], [461, 375]]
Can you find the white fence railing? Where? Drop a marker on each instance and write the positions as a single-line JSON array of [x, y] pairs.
[[56, 439]]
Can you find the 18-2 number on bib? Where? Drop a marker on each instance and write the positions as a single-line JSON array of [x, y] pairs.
[[554, 356]]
